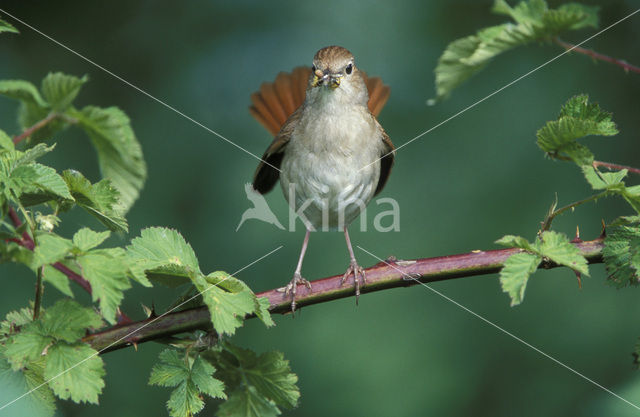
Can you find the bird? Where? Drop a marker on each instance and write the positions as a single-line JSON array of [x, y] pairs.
[[260, 209], [330, 153]]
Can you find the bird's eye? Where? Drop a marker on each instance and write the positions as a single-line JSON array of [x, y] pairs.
[[313, 68], [349, 69]]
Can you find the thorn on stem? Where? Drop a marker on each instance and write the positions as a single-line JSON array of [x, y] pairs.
[[577, 238]]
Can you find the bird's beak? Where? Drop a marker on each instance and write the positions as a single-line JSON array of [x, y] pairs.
[[330, 80]]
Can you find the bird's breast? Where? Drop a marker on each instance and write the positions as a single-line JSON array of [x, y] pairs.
[[331, 165]]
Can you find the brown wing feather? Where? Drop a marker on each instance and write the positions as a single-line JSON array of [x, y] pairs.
[[276, 101], [386, 162], [267, 174]]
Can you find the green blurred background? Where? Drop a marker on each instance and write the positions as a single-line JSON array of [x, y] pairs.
[[402, 352]]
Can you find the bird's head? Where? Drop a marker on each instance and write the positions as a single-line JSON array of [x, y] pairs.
[[334, 72]]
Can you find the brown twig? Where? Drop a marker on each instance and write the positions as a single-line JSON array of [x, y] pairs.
[[595, 55], [617, 167], [31, 130], [381, 276]]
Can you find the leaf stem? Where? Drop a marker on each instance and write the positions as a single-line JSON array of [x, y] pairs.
[[382, 276], [39, 291], [597, 56], [546, 224], [615, 166], [31, 130]]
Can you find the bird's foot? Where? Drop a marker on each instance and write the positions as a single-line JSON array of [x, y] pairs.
[[292, 287], [357, 271]]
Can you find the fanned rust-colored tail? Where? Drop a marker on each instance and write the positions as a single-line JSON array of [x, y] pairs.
[[276, 101]]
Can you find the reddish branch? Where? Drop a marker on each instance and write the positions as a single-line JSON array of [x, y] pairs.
[[30, 131], [381, 276], [616, 167], [595, 55], [27, 242]]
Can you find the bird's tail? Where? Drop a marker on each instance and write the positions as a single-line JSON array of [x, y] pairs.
[[276, 101]]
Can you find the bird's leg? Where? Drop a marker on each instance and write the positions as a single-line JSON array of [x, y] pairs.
[[297, 277], [354, 268]]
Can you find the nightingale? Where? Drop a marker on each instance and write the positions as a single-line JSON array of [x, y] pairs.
[[329, 153]]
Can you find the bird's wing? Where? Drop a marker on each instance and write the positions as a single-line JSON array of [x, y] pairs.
[[266, 174], [386, 161], [276, 101]]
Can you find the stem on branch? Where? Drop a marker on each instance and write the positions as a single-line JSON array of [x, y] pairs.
[[546, 224], [381, 276], [39, 125], [39, 291], [597, 56]]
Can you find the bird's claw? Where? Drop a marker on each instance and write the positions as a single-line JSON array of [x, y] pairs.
[[292, 287], [357, 272]]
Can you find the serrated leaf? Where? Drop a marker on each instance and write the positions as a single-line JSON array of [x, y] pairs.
[[262, 311], [48, 180], [512, 241], [23, 91], [191, 377], [56, 278], [119, 152], [269, 374], [106, 271], [75, 372], [516, 272], [162, 251], [33, 153], [86, 239], [99, 199], [227, 307], [557, 247], [61, 89], [247, 402], [578, 118], [50, 249], [534, 22], [66, 321], [7, 27], [6, 142], [621, 246], [38, 403], [604, 180]]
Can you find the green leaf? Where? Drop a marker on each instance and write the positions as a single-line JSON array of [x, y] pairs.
[[268, 375], [32, 154], [86, 239], [262, 311], [516, 272], [515, 242], [191, 377], [7, 27], [56, 278], [620, 254], [164, 255], [99, 199], [75, 372], [119, 153], [50, 249], [557, 247], [6, 142], [534, 22], [578, 118], [106, 270], [228, 300], [247, 402], [66, 321], [47, 179], [61, 89], [23, 91], [38, 403]]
